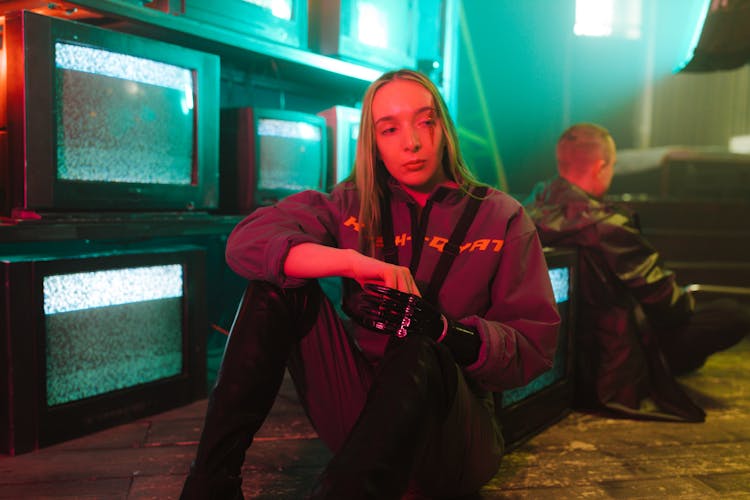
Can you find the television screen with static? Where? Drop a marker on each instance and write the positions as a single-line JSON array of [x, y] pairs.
[[289, 151], [268, 154], [142, 309], [115, 111], [525, 411], [98, 339]]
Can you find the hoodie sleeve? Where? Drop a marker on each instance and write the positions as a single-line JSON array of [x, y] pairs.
[[257, 247], [519, 331]]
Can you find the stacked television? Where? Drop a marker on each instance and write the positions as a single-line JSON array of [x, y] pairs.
[[278, 22], [268, 154], [382, 34], [98, 126], [105, 121], [101, 126], [343, 132]]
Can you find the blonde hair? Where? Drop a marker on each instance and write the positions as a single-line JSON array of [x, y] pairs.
[[370, 174], [581, 146]]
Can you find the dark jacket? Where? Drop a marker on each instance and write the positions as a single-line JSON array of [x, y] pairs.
[[498, 283], [626, 299]]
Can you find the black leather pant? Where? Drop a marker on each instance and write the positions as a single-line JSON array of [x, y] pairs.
[[266, 326], [410, 419], [715, 326]]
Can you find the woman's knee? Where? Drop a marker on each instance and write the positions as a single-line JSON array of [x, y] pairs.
[[426, 364], [299, 306]]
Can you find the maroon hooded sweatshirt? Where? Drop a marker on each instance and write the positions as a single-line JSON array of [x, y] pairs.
[[498, 283]]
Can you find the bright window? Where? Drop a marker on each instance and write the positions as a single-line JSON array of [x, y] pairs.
[[598, 18]]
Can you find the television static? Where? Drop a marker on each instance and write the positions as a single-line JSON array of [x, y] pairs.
[[268, 154]]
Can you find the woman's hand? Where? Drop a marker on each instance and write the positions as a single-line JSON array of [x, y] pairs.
[[366, 269]]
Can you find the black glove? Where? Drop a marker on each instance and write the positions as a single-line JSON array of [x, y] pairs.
[[392, 312]]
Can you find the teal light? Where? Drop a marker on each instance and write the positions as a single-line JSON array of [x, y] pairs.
[[123, 66], [279, 8], [594, 17], [609, 18], [187, 98], [74, 292], [372, 27], [560, 278]]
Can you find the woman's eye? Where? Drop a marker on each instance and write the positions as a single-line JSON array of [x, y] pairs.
[[427, 122]]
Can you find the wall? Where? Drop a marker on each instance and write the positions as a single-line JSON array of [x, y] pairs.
[[702, 108], [537, 77]]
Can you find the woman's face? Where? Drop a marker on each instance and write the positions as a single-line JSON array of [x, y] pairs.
[[408, 134]]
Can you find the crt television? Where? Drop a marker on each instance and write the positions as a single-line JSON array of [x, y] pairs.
[[268, 154], [525, 411], [99, 120], [343, 132], [278, 21], [89, 341], [380, 34]]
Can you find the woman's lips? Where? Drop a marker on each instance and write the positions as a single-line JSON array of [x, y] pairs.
[[414, 164]]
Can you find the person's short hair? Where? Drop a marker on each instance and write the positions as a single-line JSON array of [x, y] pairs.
[[582, 145]]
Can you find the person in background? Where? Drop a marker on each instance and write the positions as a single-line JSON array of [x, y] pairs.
[[449, 298], [637, 327]]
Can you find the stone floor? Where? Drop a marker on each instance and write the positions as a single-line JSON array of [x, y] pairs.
[[582, 456]]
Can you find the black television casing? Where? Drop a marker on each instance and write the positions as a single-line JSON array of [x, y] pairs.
[[243, 159], [28, 420], [30, 180]]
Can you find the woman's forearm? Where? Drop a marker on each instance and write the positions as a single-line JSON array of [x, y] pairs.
[[311, 260]]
